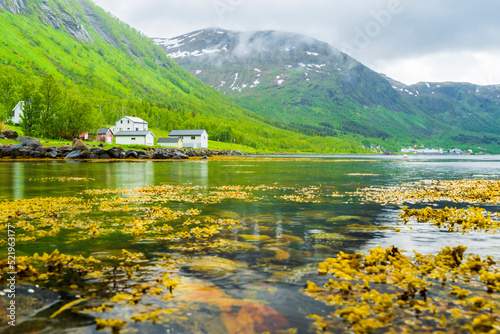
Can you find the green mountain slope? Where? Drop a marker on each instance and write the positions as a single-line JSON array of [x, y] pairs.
[[308, 84], [117, 69], [472, 108]]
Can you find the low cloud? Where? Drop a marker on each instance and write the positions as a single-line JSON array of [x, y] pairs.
[[400, 37]]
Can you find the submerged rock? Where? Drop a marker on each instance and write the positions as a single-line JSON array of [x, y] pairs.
[[254, 237], [231, 246], [29, 301], [213, 266]]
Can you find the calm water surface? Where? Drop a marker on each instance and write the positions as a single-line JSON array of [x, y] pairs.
[[271, 216]]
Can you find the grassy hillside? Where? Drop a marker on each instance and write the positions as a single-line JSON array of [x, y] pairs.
[[118, 70]]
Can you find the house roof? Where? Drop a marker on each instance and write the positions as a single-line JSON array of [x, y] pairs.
[[19, 104], [175, 133], [168, 140], [133, 133], [103, 131], [134, 119]]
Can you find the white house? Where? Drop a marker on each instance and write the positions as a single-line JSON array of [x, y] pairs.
[[128, 123], [135, 137], [170, 142], [17, 112], [191, 138]]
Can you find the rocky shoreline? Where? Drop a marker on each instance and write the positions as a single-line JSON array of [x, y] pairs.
[[30, 148]]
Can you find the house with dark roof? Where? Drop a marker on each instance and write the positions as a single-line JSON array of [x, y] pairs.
[[135, 138], [105, 135], [170, 142], [191, 138]]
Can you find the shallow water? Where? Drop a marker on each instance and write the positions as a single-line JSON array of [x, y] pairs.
[[269, 275]]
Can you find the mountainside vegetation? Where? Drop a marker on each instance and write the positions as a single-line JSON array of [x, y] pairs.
[[102, 69], [308, 84]]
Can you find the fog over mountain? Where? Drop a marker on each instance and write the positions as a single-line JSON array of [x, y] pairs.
[[411, 41]]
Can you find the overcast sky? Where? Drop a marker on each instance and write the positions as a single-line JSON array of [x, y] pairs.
[[408, 40]]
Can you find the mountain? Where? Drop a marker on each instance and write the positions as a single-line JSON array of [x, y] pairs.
[[118, 70], [470, 107], [307, 83]]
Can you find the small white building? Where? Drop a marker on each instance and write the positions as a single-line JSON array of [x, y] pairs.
[[170, 142], [17, 112], [135, 138], [191, 138], [128, 123]]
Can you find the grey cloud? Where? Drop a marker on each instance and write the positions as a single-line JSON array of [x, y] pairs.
[[419, 27]]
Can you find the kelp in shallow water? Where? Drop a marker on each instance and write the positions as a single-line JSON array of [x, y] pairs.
[[387, 291]]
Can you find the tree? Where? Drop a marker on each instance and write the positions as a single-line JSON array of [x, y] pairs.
[[8, 95], [78, 116], [51, 100], [30, 120]]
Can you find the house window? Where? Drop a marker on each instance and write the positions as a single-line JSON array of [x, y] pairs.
[[121, 122], [128, 122], [193, 137], [132, 138], [136, 129]]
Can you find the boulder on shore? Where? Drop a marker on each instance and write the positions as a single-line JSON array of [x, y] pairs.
[[9, 134], [29, 141], [79, 145]]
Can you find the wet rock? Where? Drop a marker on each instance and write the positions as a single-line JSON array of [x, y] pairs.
[[97, 151], [73, 155], [10, 152], [93, 156], [36, 154], [113, 153], [51, 155], [105, 156], [29, 141], [10, 134], [42, 149], [131, 154], [158, 156], [102, 145], [65, 147], [191, 154], [17, 146], [85, 154], [122, 155], [204, 157], [79, 145], [25, 151]]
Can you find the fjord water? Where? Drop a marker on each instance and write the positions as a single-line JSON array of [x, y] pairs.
[[271, 215]]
